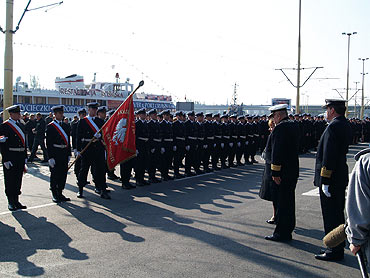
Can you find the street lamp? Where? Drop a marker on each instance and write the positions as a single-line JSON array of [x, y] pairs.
[[363, 94], [349, 41]]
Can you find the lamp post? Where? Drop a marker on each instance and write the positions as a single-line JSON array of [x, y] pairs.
[[349, 42], [299, 61], [362, 93]]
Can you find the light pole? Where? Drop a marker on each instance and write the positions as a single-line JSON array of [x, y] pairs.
[[299, 61], [363, 94], [349, 42]]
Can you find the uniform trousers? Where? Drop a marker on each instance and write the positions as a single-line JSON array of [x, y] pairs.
[[285, 208], [178, 156], [333, 210], [58, 174], [93, 157], [126, 169], [36, 143], [190, 158], [13, 176]]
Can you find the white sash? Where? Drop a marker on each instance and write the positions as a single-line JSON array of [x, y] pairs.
[[93, 124], [20, 132], [62, 132]]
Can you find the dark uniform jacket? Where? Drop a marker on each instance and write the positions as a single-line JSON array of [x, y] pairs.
[[191, 133], [142, 135], [54, 141], [13, 141], [331, 161], [284, 154], [74, 134], [40, 129], [85, 133], [155, 139], [178, 129]]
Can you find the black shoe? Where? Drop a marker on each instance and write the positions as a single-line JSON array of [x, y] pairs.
[[200, 172], [64, 198], [146, 182], [240, 164], [216, 168], [98, 191], [278, 238], [171, 178], [208, 170], [55, 199], [80, 193], [165, 178], [270, 221], [254, 161], [179, 176], [248, 163], [104, 195], [330, 256], [12, 207]]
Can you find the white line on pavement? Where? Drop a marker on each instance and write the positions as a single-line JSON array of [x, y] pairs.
[[35, 207], [313, 192]]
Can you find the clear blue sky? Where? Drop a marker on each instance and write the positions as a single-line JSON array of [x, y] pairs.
[[194, 48]]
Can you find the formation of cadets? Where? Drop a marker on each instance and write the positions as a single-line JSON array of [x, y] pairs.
[[188, 144]]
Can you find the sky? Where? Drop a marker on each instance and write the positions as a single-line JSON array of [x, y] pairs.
[[198, 49]]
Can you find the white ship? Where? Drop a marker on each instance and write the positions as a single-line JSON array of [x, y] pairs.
[[72, 92]]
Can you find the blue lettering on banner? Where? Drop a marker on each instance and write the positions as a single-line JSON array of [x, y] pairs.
[[46, 108]]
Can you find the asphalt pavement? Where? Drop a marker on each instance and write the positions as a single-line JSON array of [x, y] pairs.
[[211, 225]]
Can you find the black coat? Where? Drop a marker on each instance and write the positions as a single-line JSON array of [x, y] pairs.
[[284, 155], [268, 188], [331, 161]]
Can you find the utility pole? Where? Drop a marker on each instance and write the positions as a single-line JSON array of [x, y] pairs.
[[363, 94], [235, 95], [8, 59]]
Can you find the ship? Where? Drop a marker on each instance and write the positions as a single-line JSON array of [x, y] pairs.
[[72, 92]]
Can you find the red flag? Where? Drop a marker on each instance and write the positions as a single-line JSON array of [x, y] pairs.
[[119, 134]]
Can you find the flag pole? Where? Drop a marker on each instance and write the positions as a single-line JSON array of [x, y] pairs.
[[141, 83]]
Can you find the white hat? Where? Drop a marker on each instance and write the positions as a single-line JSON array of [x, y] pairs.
[[278, 107]]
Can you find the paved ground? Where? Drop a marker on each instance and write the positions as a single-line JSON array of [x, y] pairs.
[[207, 226]]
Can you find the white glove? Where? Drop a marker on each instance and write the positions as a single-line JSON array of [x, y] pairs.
[[8, 164], [205, 147], [3, 139], [152, 150], [69, 159], [25, 168], [163, 150], [222, 145], [97, 135], [231, 145], [325, 189], [239, 144], [137, 152], [76, 152], [246, 143], [25, 161], [214, 145], [51, 162], [187, 148], [174, 148]]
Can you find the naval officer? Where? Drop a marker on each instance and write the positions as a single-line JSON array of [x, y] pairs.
[[284, 171], [59, 152], [14, 156], [331, 172]]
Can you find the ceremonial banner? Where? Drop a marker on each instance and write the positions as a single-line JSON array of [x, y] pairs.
[[119, 134]]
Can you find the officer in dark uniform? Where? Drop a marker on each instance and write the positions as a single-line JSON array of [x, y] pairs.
[[178, 129], [249, 139], [242, 138], [59, 152], [94, 156], [168, 147], [216, 154], [14, 156], [81, 114], [210, 142], [191, 145], [39, 139], [201, 134], [233, 141], [331, 172], [284, 171], [142, 148], [225, 140], [30, 125], [155, 143]]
